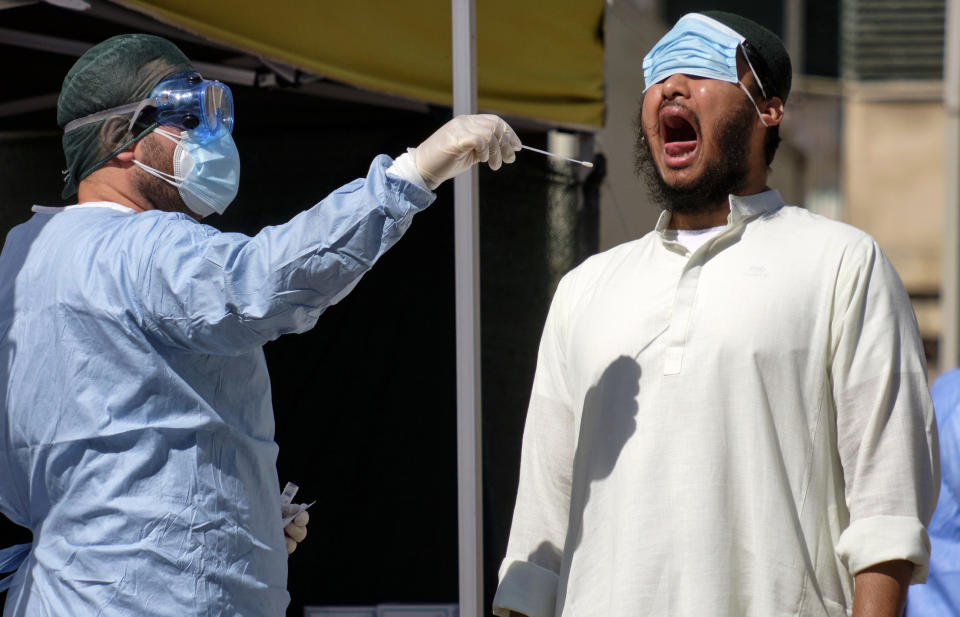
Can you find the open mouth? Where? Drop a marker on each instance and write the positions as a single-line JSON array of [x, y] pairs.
[[680, 138]]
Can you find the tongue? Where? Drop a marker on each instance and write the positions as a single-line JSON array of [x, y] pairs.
[[679, 148]]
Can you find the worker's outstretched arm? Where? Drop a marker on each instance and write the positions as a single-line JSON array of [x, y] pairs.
[[224, 293]]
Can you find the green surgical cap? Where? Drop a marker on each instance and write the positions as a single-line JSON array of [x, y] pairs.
[[121, 70]]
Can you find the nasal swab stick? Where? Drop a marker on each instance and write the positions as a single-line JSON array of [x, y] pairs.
[[584, 163]]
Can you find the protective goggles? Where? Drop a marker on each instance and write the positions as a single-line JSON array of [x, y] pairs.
[[184, 100]]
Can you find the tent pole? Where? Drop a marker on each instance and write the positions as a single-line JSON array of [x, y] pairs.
[[467, 265], [949, 348]]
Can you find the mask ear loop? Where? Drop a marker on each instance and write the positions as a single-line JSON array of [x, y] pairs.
[[168, 178], [171, 179], [756, 78], [755, 106], [171, 136]]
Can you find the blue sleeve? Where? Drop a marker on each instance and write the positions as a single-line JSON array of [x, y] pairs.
[[225, 293], [946, 404], [940, 595]]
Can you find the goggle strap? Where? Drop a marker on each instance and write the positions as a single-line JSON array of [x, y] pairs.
[[106, 113], [139, 108]]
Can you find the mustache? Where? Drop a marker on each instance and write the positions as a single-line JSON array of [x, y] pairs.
[[689, 114]]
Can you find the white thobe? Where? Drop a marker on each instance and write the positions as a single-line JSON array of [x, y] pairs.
[[732, 432]]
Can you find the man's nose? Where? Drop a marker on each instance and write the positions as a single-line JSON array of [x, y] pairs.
[[677, 85]]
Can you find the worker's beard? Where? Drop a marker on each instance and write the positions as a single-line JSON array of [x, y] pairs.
[[160, 194], [720, 178]]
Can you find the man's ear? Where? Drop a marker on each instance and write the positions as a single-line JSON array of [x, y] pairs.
[[771, 110]]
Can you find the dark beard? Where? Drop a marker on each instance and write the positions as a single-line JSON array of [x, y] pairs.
[[160, 194], [719, 179]]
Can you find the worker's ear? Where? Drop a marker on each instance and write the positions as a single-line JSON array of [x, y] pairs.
[[122, 160], [125, 158]]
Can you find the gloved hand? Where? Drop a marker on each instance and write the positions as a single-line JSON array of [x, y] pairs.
[[463, 142], [296, 531]]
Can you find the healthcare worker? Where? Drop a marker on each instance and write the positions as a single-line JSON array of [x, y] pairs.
[[940, 596], [136, 429]]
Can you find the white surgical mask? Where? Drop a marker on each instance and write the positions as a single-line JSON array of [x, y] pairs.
[[206, 174]]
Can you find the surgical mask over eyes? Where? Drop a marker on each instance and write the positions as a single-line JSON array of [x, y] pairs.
[[206, 173], [702, 47]]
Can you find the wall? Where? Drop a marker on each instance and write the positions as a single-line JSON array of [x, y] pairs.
[[894, 189], [632, 27]]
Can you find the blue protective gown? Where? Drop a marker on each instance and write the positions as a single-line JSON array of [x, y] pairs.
[[136, 428], [940, 596]]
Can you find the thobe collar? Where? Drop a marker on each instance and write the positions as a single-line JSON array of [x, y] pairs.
[[742, 209]]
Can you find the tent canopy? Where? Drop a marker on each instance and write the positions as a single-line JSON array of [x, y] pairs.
[[540, 59]]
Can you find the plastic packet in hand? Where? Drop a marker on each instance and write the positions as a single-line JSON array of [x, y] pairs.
[[288, 509]]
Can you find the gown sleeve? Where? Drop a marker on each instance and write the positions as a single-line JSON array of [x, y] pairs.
[[225, 293]]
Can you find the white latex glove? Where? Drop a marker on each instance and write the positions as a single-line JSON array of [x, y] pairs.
[[463, 142], [296, 531]]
